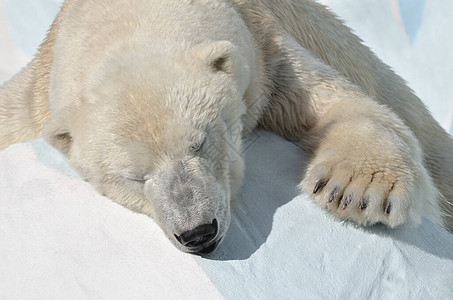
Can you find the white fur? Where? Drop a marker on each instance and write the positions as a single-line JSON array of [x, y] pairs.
[[149, 99]]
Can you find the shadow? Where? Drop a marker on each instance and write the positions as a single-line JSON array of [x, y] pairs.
[[428, 237], [274, 168]]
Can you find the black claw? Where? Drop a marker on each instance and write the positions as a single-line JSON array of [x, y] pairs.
[[333, 195], [365, 202], [346, 202], [388, 208], [318, 186]]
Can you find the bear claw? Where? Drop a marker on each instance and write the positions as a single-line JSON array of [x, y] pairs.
[[333, 195], [364, 203], [319, 185], [346, 202]]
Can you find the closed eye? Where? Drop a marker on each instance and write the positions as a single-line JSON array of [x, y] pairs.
[[133, 178], [137, 180]]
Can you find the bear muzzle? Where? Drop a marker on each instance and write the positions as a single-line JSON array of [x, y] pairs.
[[200, 240]]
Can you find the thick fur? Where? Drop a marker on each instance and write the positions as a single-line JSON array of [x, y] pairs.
[[150, 100]]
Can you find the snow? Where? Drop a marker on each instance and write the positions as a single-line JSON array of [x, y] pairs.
[[60, 239]]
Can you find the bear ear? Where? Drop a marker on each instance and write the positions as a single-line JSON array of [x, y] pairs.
[[217, 55], [56, 132]]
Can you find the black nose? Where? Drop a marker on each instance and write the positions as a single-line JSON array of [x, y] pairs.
[[199, 236]]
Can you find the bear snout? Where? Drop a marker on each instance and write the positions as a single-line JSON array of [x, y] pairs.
[[201, 239]]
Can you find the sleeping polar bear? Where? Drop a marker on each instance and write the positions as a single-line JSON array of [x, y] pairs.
[[150, 101]]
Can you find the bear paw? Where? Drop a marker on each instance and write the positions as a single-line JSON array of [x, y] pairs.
[[387, 188]]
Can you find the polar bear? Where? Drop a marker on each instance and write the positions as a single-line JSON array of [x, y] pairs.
[[150, 101]]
